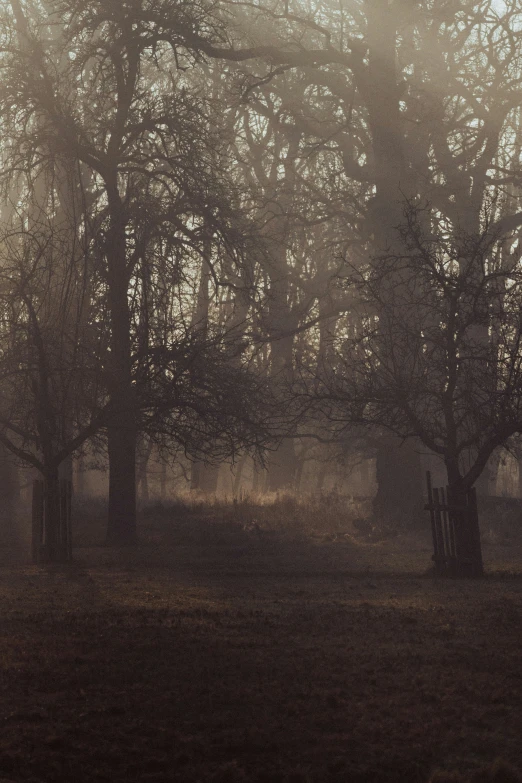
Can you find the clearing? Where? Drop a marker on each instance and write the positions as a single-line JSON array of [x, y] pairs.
[[212, 653]]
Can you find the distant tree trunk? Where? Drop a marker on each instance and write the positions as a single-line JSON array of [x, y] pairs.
[[364, 470], [299, 472], [163, 481], [258, 478], [239, 473], [399, 495], [9, 491], [204, 478], [487, 481], [283, 467], [321, 475], [282, 463], [80, 476], [144, 486], [144, 452]]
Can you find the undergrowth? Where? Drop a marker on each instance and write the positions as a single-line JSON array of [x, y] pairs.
[[328, 517]]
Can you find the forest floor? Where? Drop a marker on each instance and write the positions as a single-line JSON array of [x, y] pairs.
[[214, 653]]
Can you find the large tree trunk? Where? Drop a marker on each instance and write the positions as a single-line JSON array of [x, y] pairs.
[[467, 533], [280, 321], [122, 431], [282, 463], [54, 550], [121, 528], [486, 483], [483, 483], [203, 477], [398, 466]]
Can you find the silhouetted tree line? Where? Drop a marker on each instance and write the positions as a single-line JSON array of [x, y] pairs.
[[233, 228]]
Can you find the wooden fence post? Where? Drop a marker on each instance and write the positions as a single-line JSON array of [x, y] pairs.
[[455, 532]]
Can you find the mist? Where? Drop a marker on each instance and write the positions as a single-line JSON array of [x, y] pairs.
[[261, 389]]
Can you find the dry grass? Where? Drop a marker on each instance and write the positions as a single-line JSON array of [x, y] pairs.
[[220, 651]]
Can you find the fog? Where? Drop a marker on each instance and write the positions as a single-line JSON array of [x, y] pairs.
[[261, 282]]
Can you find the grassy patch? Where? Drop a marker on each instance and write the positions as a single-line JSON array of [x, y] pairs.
[[219, 651]]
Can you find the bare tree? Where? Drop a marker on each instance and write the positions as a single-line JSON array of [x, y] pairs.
[[51, 379], [417, 364], [114, 106]]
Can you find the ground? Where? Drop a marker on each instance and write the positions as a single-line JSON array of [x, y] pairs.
[[214, 653]]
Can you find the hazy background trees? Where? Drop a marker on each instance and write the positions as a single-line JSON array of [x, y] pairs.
[[210, 177]]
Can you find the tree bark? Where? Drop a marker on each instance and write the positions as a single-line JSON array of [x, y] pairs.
[[467, 534], [398, 466], [122, 431], [203, 477], [282, 464], [54, 550]]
